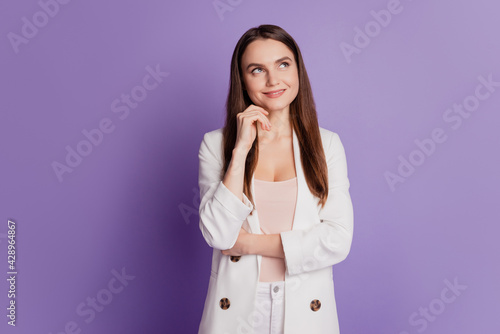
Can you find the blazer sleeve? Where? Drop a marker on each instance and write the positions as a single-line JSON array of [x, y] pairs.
[[222, 213], [328, 241]]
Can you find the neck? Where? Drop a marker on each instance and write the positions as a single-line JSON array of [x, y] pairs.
[[280, 125]]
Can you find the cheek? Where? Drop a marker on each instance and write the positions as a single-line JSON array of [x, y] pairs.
[[253, 87], [292, 79], [295, 88], [293, 82]]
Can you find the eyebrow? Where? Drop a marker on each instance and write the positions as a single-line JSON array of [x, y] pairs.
[[277, 61]]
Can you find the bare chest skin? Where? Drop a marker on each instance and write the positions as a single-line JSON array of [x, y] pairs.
[[276, 161]]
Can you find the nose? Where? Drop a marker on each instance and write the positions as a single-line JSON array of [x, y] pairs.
[[272, 78]]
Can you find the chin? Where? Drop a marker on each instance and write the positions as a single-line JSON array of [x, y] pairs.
[[274, 107]]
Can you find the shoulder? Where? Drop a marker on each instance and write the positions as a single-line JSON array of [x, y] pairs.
[[213, 136], [212, 143], [329, 138], [327, 134]]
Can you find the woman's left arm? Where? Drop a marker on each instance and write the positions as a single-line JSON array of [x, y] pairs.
[[327, 242], [321, 245], [264, 244]]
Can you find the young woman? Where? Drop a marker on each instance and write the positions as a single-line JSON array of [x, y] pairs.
[[275, 203]]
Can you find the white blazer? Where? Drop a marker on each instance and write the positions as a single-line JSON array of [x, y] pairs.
[[319, 239]]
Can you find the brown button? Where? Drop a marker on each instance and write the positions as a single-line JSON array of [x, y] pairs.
[[235, 258], [315, 305], [224, 303]]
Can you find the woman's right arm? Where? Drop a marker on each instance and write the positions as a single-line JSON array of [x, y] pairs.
[[223, 205], [222, 212], [235, 175]]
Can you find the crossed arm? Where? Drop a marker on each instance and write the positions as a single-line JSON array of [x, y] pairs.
[[263, 244], [224, 207]]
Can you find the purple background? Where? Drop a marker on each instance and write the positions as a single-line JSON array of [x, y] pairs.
[[132, 202]]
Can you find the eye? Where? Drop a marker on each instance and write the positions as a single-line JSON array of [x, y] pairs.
[[257, 68], [285, 63]]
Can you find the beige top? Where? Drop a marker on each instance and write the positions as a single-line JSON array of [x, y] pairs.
[[275, 204]]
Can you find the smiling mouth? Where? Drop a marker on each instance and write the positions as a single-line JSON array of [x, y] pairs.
[[275, 93]]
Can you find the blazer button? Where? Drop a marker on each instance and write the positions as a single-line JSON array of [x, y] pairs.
[[224, 303], [315, 305], [235, 258]]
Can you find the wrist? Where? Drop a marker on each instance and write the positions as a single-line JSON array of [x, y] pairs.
[[250, 243], [240, 152]]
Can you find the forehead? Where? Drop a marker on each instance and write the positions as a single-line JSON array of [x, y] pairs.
[[265, 51]]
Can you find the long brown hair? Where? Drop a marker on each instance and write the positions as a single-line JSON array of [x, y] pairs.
[[302, 116]]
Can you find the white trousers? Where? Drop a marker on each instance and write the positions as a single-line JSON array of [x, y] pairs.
[[269, 308]]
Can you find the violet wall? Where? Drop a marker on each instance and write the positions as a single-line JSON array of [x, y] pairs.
[[104, 105]]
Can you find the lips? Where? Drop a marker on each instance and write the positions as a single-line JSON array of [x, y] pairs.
[[275, 93]]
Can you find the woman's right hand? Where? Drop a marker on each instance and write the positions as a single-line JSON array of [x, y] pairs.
[[247, 121]]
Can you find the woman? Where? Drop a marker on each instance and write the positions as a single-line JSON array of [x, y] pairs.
[[274, 198]]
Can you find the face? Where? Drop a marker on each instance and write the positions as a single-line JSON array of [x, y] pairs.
[[270, 74]]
